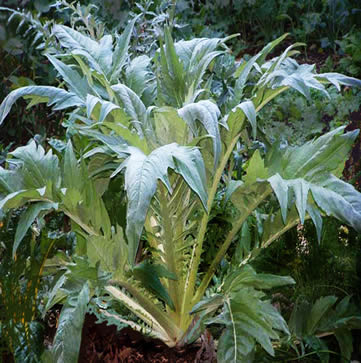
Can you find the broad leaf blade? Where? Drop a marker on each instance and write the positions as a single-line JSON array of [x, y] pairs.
[[68, 336], [26, 220], [53, 96]]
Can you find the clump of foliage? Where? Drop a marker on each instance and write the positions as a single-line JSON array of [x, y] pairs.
[[322, 21], [350, 46], [149, 151]]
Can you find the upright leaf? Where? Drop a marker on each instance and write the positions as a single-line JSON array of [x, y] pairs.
[[68, 335], [121, 51]]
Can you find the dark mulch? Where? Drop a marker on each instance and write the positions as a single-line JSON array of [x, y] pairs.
[[103, 343], [352, 171]]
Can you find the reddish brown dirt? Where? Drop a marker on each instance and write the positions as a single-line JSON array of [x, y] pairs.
[[104, 344]]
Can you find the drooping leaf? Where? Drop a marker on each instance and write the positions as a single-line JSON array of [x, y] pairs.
[[27, 218], [339, 199], [338, 79], [106, 107], [280, 188], [236, 118], [207, 113], [98, 54], [325, 154], [58, 97], [37, 167]]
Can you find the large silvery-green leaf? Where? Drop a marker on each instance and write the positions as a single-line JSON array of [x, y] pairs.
[[58, 97], [332, 195], [243, 71], [37, 167], [74, 81], [183, 65], [141, 177], [106, 107], [36, 174], [98, 54], [339, 199], [283, 71], [140, 79], [207, 113], [326, 154], [27, 218], [308, 170], [236, 118], [196, 55], [67, 340], [10, 180], [111, 253], [133, 106]]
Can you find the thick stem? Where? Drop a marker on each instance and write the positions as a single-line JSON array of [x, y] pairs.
[[222, 251], [196, 258], [172, 13], [169, 246]]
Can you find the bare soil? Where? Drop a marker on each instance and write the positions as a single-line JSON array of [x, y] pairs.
[[102, 343]]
